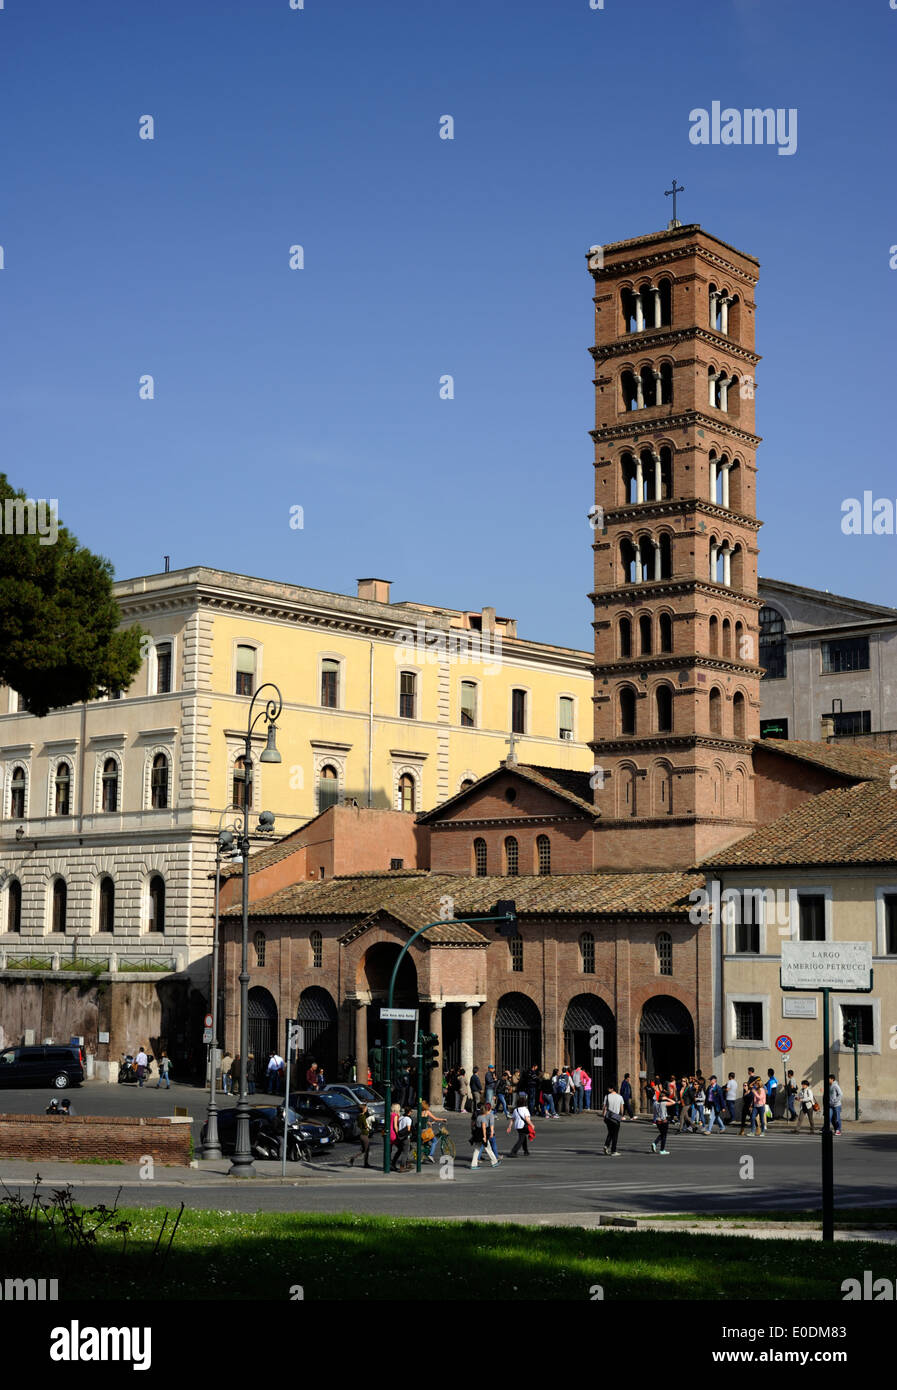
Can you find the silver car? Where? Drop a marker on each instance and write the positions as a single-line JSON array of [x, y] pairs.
[[360, 1094]]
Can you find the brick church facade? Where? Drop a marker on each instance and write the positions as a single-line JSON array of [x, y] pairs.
[[601, 864]]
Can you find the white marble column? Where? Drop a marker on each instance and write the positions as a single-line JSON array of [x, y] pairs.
[[639, 481], [658, 489], [658, 388], [725, 496], [714, 553], [724, 383], [467, 1038], [712, 380], [727, 566], [639, 312], [714, 296], [639, 393], [713, 480], [657, 565], [656, 294], [724, 315]]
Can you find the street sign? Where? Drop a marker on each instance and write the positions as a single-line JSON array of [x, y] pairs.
[[207, 1021], [295, 1036], [399, 1015], [207, 1036], [800, 1008], [843, 965], [784, 1043]]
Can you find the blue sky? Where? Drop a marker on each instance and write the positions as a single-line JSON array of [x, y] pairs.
[[319, 387]]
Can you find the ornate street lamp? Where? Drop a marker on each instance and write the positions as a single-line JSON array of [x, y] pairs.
[[225, 845], [242, 1166]]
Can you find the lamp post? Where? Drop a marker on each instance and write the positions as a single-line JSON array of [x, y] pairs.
[[225, 841], [242, 1166]]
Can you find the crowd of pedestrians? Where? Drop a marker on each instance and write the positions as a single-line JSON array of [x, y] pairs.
[[563, 1091]]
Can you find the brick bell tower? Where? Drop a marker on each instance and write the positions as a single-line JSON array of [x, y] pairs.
[[676, 607]]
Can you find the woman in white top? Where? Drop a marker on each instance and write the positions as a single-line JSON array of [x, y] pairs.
[[520, 1118], [807, 1101]]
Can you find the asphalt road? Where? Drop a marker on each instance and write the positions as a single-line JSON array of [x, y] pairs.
[[566, 1172]]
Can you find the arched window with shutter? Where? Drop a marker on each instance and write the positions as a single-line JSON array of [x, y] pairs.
[[543, 851], [479, 858], [587, 953], [512, 856]]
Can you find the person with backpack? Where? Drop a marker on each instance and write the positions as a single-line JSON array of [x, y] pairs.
[[365, 1130], [660, 1107], [562, 1091], [503, 1090], [490, 1081], [476, 1090], [586, 1090], [522, 1123], [686, 1102], [772, 1091], [577, 1090], [164, 1070], [808, 1106]]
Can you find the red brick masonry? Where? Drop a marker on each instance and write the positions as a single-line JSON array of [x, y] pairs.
[[94, 1136]]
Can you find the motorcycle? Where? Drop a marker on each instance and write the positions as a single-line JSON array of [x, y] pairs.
[[267, 1142], [128, 1069]]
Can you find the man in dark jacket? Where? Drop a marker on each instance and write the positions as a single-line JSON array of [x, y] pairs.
[[476, 1089]]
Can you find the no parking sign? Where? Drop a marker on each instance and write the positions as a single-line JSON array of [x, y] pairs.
[[784, 1043]]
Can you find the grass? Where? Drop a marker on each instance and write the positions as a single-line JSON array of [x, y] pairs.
[[230, 1255], [882, 1217]]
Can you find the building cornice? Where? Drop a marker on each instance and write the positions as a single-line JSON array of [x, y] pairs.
[[651, 419]]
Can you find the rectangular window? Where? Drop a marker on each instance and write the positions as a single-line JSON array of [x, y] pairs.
[[845, 654], [566, 717], [891, 924], [407, 694], [329, 684], [468, 705], [812, 916], [245, 684], [748, 1022], [860, 1017], [518, 711], [163, 668], [858, 721], [747, 938]]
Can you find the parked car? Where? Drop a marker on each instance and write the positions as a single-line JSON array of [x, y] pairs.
[[329, 1108], [51, 1064], [357, 1092], [304, 1134]]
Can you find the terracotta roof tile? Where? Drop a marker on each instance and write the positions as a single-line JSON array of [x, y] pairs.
[[847, 825], [847, 759]]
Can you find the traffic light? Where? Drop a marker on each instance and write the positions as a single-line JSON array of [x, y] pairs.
[[507, 908], [403, 1054], [429, 1051], [377, 1063]]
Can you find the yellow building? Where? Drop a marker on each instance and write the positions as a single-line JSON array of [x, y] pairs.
[[827, 872], [110, 810]]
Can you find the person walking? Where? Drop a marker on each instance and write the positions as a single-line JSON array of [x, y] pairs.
[[613, 1114], [236, 1073], [807, 1103], [660, 1107], [747, 1102], [586, 1090], [715, 1103], [561, 1089], [577, 1090], [164, 1070], [250, 1073], [485, 1132], [142, 1061], [790, 1096], [490, 1081], [271, 1074], [463, 1090], [311, 1078], [772, 1091], [731, 1096], [758, 1108], [835, 1101], [226, 1064], [365, 1130], [476, 1091], [533, 1087], [626, 1096], [503, 1091], [521, 1119], [686, 1102]]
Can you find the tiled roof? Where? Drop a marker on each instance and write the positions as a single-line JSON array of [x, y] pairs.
[[415, 899], [847, 759], [570, 785], [264, 858], [847, 825]]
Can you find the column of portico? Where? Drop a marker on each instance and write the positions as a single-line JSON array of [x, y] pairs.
[[361, 1039], [467, 1037], [435, 1096]]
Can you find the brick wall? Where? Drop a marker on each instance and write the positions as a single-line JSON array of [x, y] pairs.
[[53, 1137]]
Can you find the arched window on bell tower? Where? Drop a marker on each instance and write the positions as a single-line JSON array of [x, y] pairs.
[[626, 718], [624, 637], [716, 711], [644, 630]]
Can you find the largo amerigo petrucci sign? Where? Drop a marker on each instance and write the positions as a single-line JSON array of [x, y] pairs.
[[845, 965]]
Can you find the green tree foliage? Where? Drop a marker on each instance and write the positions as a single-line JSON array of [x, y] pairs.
[[59, 622]]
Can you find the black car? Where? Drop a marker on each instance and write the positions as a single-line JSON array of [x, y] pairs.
[[314, 1138], [329, 1108], [51, 1064]]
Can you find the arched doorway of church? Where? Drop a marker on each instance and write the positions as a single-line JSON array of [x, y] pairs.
[[262, 1031], [318, 1017], [590, 1041], [667, 1037], [376, 970], [518, 1033]]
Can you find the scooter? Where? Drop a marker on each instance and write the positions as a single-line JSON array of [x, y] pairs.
[[128, 1069]]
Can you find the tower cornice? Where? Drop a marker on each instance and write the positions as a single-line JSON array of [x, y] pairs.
[[653, 339], [687, 420]]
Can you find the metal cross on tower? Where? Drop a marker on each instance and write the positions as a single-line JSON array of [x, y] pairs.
[[671, 192]]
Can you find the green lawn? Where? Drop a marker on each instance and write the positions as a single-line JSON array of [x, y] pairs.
[[226, 1255]]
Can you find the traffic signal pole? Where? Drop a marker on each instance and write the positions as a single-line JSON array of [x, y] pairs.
[[509, 916]]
